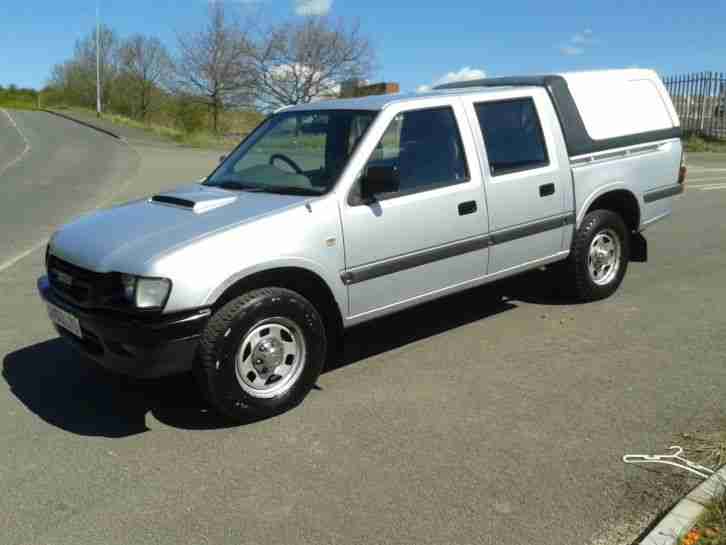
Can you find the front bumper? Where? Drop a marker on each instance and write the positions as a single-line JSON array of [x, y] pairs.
[[144, 348]]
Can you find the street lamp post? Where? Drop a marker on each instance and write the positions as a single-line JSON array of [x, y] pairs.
[[98, 62]]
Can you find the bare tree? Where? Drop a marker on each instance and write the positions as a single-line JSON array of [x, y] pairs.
[[145, 64], [301, 61], [76, 77], [213, 65]]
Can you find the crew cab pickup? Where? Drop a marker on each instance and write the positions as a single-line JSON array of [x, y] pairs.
[[333, 213]]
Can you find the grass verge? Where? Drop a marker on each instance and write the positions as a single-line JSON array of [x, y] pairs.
[[710, 528], [708, 449], [200, 139], [17, 104], [696, 143]]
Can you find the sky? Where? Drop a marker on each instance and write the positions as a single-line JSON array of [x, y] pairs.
[[418, 43]]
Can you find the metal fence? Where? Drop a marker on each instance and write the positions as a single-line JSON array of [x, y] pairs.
[[700, 100]]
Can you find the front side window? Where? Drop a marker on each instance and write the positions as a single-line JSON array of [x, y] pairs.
[[424, 148], [512, 135], [295, 153]]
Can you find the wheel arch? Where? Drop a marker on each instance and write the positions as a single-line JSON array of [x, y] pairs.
[[302, 280], [618, 199]]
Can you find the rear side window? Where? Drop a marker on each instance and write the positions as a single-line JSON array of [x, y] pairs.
[[512, 135]]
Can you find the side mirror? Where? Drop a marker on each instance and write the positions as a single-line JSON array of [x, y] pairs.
[[379, 179], [222, 158]]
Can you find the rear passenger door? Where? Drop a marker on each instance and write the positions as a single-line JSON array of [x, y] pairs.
[[527, 179]]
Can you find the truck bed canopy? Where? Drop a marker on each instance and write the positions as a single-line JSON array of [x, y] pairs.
[[601, 110]]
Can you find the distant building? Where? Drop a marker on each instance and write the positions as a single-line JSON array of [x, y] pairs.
[[360, 88]]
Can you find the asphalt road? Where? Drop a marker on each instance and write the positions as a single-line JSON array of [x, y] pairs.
[[497, 416]]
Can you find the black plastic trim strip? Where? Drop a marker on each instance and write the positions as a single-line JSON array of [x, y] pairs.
[[577, 139], [368, 272], [663, 193], [176, 201], [507, 235], [375, 270]]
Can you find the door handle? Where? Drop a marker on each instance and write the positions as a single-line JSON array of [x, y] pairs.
[[546, 190], [468, 207]]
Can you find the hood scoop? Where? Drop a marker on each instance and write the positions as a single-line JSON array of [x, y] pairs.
[[198, 200]]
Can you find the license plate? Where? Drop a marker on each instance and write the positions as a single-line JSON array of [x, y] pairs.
[[65, 319]]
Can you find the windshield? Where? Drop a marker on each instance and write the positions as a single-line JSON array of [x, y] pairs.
[[295, 153]]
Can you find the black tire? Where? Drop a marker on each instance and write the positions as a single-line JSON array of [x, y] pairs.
[[581, 282], [228, 328]]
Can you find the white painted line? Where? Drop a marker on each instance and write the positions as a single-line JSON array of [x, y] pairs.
[[22, 255], [712, 187], [717, 184], [12, 261], [706, 169], [25, 151], [712, 179]]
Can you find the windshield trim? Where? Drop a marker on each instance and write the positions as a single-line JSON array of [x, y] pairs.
[[252, 136]]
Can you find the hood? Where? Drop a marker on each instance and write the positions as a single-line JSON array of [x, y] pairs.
[[125, 238]]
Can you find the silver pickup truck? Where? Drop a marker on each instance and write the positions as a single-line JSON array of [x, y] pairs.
[[334, 213]]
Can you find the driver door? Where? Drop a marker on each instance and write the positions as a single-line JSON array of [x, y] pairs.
[[428, 235]]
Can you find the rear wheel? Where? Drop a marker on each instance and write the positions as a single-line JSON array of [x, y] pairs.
[[261, 353], [599, 258]]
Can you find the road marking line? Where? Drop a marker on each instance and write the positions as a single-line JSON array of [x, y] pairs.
[[702, 180], [103, 202], [10, 262], [706, 169], [713, 187], [25, 151], [716, 184]]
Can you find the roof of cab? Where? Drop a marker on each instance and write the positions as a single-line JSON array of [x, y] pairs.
[[379, 102]]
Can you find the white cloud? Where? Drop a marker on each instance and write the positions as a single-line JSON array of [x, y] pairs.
[[578, 43], [251, 2], [571, 50], [465, 74], [583, 37], [313, 7]]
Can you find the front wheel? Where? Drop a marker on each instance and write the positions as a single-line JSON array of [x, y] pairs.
[[261, 353], [599, 256]]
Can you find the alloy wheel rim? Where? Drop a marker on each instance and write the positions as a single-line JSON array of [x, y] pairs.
[[270, 358], [603, 260]]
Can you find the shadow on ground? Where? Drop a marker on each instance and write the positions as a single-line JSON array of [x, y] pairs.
[[70, 392], [394, 331]]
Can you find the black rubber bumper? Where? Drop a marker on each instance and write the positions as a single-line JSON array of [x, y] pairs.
[[144, 348]]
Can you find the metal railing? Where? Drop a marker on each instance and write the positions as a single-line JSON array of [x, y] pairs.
[[700, 100]]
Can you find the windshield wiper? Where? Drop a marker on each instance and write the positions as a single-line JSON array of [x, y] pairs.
[[230, 184], [289, 190], [277, 189]]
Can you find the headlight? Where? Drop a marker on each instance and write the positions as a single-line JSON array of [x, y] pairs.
[[145, 293], [152, 292]]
